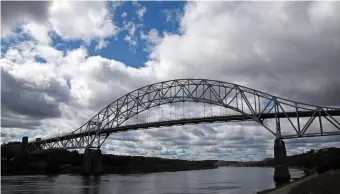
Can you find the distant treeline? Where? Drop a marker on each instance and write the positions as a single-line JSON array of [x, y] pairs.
[[308, 160], [153, 164], [71, 161], [11, 142]]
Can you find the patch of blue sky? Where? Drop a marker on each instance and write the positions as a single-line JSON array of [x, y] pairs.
[[64, 45], [68, 82], [21, 37], [155, 17], [12, 41], [39, 59], [117, 48]]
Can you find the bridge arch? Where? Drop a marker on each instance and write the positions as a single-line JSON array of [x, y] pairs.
[[249, 103]]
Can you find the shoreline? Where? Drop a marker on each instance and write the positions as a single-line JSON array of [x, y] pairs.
[[136, 171], [103, 173]]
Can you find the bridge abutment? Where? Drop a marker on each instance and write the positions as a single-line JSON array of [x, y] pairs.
[[281, 173], [92, 162]]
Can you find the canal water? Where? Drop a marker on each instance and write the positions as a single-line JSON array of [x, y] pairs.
[[227, 180]]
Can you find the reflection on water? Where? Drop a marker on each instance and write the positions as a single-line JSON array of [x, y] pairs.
[[90, 184], [221, 180]]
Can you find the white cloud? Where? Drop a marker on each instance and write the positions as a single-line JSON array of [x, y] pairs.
[[152, 36], [14, 55], [101, 44], [141, 12], [239, 42], [92, 79], [89, 20], [173, 15], [131, 28], [124, 15], [168, 15], [38, 31], [69, 19], [27, 51], [266, 46], [132, 41], [273, 47], [14, 13]]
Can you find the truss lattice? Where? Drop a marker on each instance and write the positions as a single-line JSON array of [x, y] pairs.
[[245, 103]]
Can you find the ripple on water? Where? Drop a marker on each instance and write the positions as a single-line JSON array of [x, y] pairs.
[[217, 181], [218, 188]]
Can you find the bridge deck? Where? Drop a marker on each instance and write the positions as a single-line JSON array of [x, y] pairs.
[[225, 118]]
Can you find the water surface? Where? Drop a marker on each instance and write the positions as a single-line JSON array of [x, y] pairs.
[[229, 180]]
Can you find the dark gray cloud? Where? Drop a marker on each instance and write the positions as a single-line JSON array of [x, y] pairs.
[[290, 49], [22, 101], [13, 12], [13, 120], [304, 70], [282, 50]]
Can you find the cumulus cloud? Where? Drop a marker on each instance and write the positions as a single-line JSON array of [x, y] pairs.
[[279, 48], [151, 37], [141, 12], [62, 86], [30, 94], [38, 32], [285, 48], [17, 12], [89, 20]]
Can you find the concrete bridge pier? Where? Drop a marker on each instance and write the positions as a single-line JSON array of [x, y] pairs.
[[21, 155], [92, 162], [281, 173], [53, 162]]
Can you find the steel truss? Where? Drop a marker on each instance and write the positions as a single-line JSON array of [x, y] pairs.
[[245, 103]]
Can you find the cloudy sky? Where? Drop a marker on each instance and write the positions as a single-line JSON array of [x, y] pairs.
[[63, 61]]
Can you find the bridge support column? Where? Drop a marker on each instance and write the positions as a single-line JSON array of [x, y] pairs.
[[281, 173], [92, 162], [53, 162], [24, 145]]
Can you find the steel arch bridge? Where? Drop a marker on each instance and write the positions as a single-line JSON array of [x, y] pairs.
[[243, 103]]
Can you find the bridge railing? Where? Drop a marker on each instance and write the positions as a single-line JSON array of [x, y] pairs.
[[133, 122]]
